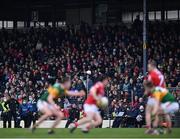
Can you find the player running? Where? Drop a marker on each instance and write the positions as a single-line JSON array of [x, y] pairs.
[[157, 78], [164, 103], [93, 117], [46, 104]]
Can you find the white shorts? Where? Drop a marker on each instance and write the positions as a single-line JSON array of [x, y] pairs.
[[170, 107], [91, 108], [42, 104], [151, 101]]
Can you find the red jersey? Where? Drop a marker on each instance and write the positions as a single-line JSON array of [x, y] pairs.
[[98, 88], [157, 78]]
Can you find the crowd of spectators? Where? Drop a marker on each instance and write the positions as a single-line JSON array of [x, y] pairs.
[[31, 59]]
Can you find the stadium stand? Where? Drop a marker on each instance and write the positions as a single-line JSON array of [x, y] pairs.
[[31, 59]]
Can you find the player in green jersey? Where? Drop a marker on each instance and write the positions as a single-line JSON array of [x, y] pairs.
[[46, 104], [163, 103]]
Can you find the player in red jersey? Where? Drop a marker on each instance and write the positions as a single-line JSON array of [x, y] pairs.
[[93, 117], [157, 78]]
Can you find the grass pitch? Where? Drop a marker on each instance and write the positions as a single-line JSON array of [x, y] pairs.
[[108, 133]]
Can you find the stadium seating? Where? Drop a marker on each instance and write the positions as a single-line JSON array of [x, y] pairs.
[[31, 59]]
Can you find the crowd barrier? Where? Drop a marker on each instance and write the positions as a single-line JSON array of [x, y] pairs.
[[48, 123]]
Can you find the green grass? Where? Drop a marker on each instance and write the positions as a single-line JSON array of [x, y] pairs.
[[95, 133]]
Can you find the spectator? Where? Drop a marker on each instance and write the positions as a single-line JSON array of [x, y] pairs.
[[119, 113], [33, 112], [5, 114], [140, 119], [13, 106], [74, 115], [25, 114]]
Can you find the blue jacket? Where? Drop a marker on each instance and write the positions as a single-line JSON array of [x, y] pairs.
[[32, 106], [24, 109]]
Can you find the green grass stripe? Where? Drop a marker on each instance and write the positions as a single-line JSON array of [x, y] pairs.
[[107, 133], [89, 138]]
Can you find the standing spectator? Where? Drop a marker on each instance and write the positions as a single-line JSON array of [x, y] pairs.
[[13, 106], [33, 112], [25, 114], [5, 113], [74, 115]]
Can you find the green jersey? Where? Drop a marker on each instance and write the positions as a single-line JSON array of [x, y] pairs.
[[56, 91], [163, 95]]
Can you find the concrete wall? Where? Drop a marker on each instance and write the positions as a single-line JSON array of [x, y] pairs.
[[75, 16], [86, 15], [72, 16]]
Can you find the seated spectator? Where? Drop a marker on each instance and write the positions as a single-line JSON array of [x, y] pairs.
[[140, 119]]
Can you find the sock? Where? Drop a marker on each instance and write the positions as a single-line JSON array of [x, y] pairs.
[[76, 124], [148, 127]]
